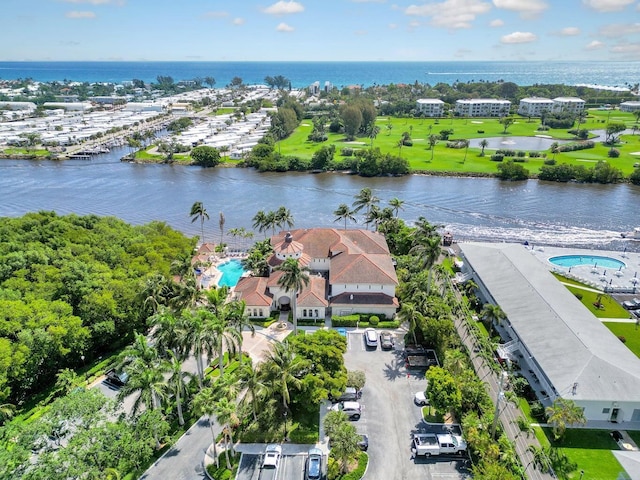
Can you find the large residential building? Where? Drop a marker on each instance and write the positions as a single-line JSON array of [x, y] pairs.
[[565, 349], [482, 107], [534, 106], [351, 272], [631, 106], [430, 107], [572, 105]]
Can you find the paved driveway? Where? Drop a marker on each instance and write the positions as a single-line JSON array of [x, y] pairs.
[[390, 416]]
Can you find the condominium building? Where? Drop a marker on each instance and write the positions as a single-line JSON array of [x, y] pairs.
[[534, 106], [631, 106], [568, 105], [482, 107], [430, 107]]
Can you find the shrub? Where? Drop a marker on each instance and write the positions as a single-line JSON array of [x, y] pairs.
[[520, 159], [374, 320], [507, 152], [543, 128], [346, 152], [521, 154], [534, 154], [578, 295], [537, 411], [497, 157], [549, 161], [480, 131], [407, 143], [622, 339], [572, 147], [613, 153]]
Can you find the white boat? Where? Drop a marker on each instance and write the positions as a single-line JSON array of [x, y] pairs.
[[632, 235]]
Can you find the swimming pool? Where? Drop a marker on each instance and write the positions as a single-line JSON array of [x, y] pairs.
[[231, 273], [578, 260]]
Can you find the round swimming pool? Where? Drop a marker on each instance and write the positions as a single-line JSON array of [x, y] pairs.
[[593, 260], [231, 273]]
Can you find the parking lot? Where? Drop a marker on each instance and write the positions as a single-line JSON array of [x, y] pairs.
[[389, 416], [291, 464]]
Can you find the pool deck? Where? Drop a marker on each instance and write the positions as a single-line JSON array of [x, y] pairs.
[[211, 276], [616, 281]]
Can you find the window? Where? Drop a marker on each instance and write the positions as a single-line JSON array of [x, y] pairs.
[[304, 312], [606, 410], [316, 312]]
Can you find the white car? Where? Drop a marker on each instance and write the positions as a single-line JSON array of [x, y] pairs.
[[351, 409], [420, 399], [371, 338]]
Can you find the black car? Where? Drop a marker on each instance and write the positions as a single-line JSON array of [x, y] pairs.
[[116, 379], [363, 444]]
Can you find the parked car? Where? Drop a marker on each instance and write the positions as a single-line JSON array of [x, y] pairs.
[[632, 304], [313, 468], [351, 409], [386, 340], [363, 444], [116, 379], [371, 338], [350, 394], [420, 399]]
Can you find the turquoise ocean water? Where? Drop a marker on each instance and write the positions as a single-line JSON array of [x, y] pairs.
[[302, 74]]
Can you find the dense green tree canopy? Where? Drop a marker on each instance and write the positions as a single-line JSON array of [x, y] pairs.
[[70, 286]]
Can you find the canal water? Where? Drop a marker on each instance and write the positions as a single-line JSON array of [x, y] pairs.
[[590, 216]]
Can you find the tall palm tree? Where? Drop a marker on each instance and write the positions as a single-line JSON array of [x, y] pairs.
[[409, 313], [140, 352], [492, 314], [260, 222], [156, 292], [293, 279], [343, 212], [252, 387], [204, 403], [484, 143], [221, 221], [372, 132], [283, 217], [224, 336], [396, 205], [365, 199], [195, 334], [427, 249], [198, 212], [280, 371], [176, 383], [166, 331], [226, 412], [235, 312], [554, 149], [433, 139], [148, 383], [272, 221], [564, 412], [466, 148]]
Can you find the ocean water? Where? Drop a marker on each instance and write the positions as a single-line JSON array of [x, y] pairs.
[[302, 74]]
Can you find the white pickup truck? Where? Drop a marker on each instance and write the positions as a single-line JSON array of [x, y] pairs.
[[427, 444], [270, 462]]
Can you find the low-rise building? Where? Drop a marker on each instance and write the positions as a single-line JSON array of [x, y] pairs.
[[573, 105], [482, 107], [630, 106], [534, 106], [430, 107]]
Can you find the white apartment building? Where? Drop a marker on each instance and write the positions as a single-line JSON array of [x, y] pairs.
[[631, 106], [430, 107], [568, 105], [534, 106], [482, 107]]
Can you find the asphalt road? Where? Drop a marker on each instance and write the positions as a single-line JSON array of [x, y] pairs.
[[390, 416]]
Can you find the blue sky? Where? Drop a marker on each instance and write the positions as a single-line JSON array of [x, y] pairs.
[[245, 30]]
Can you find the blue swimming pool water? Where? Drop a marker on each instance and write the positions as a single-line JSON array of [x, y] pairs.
[[577, 260], [231, 273]]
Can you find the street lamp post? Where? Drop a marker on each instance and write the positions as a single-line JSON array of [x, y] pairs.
[[581, 474], [496, 415]]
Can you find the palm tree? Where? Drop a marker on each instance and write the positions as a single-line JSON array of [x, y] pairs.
[[223, 336], [283, 217], [280, 371], [492, 314], [433, 139], [483, 143], [564, 412], [344, 444], [541, 459], [6, 412], [409, 313], [293, 279], [166, 331], [427, 249], [210, 81], [466, 148], [198, 212], [176, 383], [139, 352], [344, 213], [554, 149], [252, 387], [196, 336], [156, 291], [226, 412], [204, 403], [396, 204], [260, 222], [221, 221], [372, 132], [365, 199]]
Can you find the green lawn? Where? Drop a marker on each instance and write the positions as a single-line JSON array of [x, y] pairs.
[[609, 307], [457, 160], [588, 450], [629, 331]]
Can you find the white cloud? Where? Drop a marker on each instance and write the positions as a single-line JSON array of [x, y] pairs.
[[414, 24], [215, 14], [607, 5], [569, 32], [283, 27], [595, 45], [619, 29], [526, 8], [519, 37], [284, 8], [76, 14], [238, 21], [631, 51], [450, 13], [393, 26], [496, 23]]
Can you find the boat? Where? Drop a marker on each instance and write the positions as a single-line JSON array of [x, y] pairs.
[[632, 235]]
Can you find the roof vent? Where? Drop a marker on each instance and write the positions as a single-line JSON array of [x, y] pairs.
[[288, 237]]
